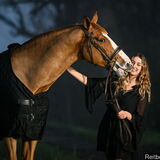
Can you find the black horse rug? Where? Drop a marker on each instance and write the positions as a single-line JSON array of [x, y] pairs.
[[22, 114]]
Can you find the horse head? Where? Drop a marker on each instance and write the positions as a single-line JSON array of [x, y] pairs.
[[100, 49]]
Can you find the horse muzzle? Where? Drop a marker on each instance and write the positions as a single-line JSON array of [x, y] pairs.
[[122, 70]]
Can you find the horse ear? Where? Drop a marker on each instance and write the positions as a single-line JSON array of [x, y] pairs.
[[86, 22], [95, 18]]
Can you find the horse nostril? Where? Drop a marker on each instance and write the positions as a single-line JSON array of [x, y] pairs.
[[129, 66]]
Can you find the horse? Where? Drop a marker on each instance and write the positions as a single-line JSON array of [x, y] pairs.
[[39, 62]]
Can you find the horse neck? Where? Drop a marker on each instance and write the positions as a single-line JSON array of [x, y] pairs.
[[49, 54], [63, 48]]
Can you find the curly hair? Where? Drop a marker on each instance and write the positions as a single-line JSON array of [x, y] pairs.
[[143, 79]]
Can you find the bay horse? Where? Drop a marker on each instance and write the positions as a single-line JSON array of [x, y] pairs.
[[37, 64]]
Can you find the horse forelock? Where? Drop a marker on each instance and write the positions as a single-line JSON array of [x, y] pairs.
[[99, 28]]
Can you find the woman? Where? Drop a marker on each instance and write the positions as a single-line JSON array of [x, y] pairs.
[[132, 93]]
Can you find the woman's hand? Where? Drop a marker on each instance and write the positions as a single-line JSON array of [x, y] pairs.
[[124, 114]]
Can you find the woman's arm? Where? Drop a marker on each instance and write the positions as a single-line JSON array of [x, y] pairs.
[[81, 77]]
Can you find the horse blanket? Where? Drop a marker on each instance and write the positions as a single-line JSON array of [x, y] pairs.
[[22, 114]]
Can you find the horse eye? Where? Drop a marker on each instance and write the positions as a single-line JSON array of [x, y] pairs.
[[102, 40]]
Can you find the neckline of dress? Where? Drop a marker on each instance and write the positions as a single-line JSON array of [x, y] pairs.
[[133, 87]]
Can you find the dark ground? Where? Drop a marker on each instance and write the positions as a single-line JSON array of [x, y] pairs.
[[85, 147]]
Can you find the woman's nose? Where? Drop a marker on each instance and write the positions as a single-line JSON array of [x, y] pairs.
[[134, 65]]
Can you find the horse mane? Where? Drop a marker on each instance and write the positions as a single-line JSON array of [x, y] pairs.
[[99, 27], [56, 31], [13, 46], [17, 47]]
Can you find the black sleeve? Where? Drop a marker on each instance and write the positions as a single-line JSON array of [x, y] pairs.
[[139, 118], [94, 88]]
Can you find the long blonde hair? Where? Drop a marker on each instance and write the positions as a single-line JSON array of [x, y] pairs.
[[143, 79]]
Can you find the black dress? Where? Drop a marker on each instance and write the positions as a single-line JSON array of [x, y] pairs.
[[108, 139], [19, 119]]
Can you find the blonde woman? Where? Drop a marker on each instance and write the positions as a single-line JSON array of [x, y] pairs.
[[133, 93]]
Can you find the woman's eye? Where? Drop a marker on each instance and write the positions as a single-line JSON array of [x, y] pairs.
[[139, 64], [102, 40]]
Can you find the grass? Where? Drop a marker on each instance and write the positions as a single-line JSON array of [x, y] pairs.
[[75, 129], [151, 137], [48, 152]]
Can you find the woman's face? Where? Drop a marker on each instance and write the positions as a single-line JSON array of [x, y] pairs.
[[137, 66]]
